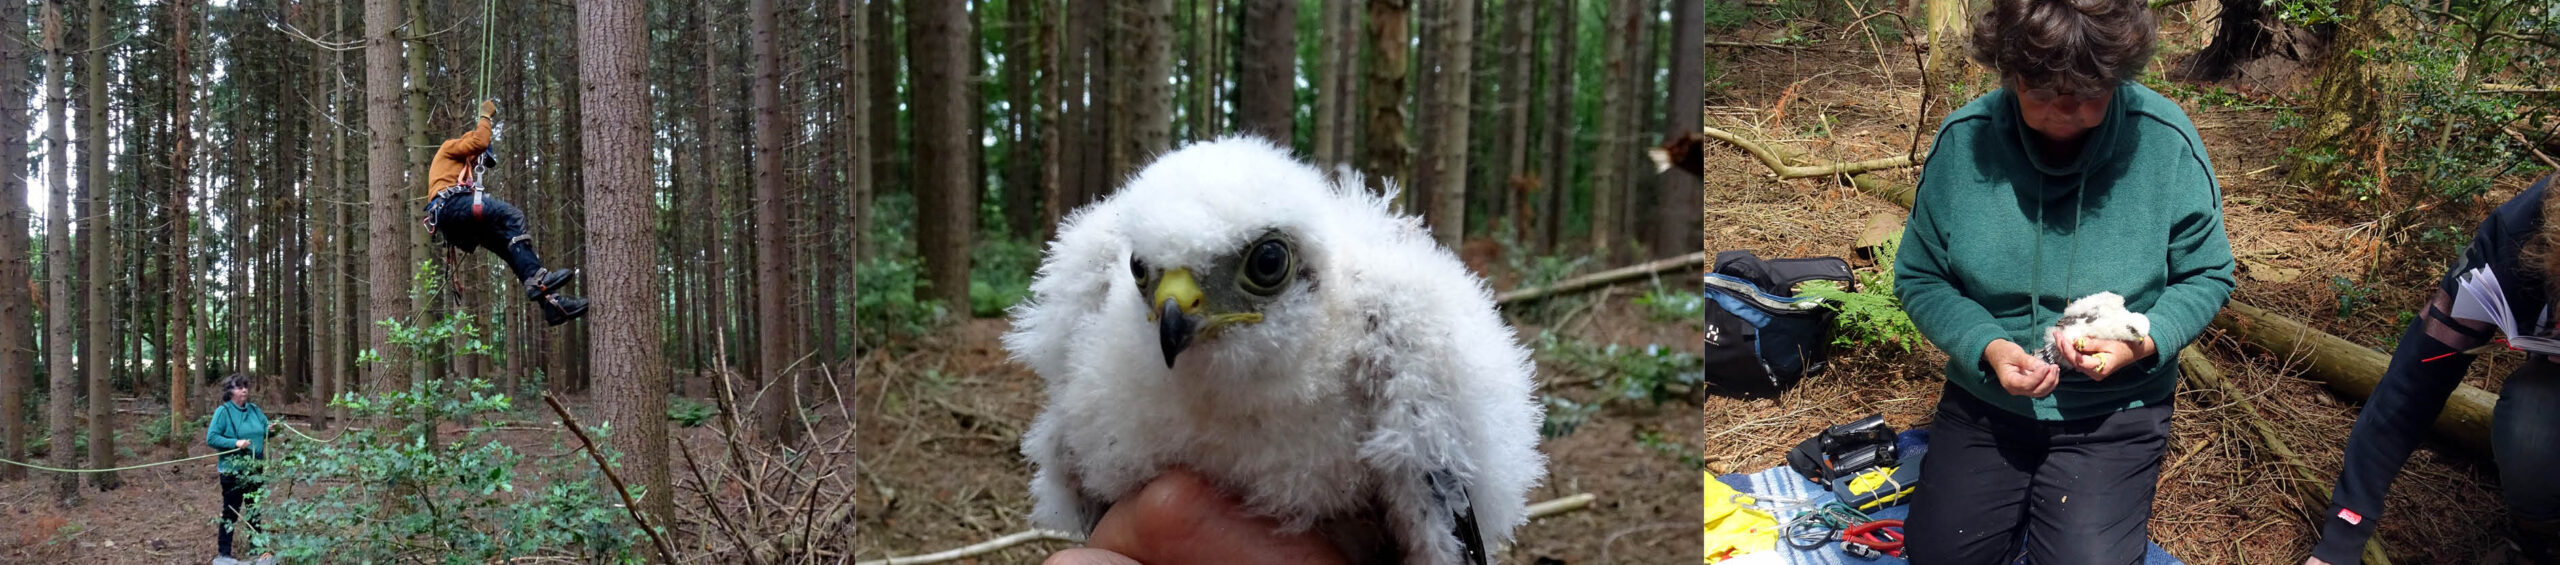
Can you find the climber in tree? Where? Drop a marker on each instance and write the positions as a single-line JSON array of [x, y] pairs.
[[468, 217]]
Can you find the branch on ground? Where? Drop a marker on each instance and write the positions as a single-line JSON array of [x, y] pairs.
[[1603, 278], [1778, 164]]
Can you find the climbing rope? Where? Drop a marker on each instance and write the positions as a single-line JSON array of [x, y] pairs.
[[488, 43], [124, 468], [288, 426]]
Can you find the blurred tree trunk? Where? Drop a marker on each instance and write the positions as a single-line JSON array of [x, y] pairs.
[[385, 161], [95, 236], [422, 147], [1556, 181], [2346, 103], [1610, 156], [620, 196], [1266, 83], [181, 152], [710, 197], [64, 379], [1424, 184], [1021, 189], [1103, 107], [17, 322], [1639, 195], [290, 345], [1448, 214], [1679, 223], [1147, 96], [1053, 173], [857, 157], [778, 410], [1950, 33], [1384, 144], [1517, 52], [946, 209], [1346, 114], [884, 95], [1328, 86]]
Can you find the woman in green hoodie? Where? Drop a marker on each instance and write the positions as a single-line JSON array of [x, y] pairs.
[[2068, 181], [239, 425]]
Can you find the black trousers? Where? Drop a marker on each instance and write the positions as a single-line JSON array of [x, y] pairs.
[[2525, 437], [235, 501], [498, 227], [2079, 490]]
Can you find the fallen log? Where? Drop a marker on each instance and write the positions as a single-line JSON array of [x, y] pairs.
[[1776, 158], [2352, 370], [2305, 482], [1693, 261]]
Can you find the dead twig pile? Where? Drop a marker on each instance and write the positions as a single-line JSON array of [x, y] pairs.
[[753, 502]]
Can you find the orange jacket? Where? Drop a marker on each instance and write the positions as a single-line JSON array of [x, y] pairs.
[[453, 159]]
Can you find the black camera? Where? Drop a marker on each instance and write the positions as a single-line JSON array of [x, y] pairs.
[[1846, 450]]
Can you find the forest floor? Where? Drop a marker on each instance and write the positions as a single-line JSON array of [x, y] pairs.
[[942, 418], [166, 514], [2302, 254]]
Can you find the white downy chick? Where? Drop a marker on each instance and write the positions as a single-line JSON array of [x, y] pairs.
[[1293, 340], [2096, 316]]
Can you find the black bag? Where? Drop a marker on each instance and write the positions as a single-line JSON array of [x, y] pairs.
[[1761, 339]]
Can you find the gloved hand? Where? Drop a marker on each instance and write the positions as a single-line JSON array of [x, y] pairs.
[[488, 108]]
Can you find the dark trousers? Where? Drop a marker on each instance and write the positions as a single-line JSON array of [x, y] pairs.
[[235, 501], [498, 227], [2080, 490], [2525, 436]]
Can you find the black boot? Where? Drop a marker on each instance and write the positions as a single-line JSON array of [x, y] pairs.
[[558, 309], [547, 282]]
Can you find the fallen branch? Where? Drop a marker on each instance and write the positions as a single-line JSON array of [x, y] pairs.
[[1693, 261], [2197, 369], [1744, 44], [1778, 164], [664, 552], [1536, 511], [980, 548]]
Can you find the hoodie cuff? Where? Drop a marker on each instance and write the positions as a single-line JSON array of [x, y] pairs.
[[2342, 543], [1975, 341]]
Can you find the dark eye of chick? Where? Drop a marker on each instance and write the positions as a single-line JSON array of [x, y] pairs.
[[1266, 267]]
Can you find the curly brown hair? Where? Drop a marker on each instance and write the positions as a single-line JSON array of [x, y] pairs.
[[2073, 45], [2539, 255], [236, 380]]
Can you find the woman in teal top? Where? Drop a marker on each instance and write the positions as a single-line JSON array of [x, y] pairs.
[[2068, 181], [237, 424]]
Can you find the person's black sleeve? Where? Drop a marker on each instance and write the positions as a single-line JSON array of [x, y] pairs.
[[2425, 369]]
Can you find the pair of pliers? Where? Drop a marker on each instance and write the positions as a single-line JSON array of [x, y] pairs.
[[1882, 536]]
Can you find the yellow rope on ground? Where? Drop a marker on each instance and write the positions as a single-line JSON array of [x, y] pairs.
[[124, 468], [290, 428], [279, 423]]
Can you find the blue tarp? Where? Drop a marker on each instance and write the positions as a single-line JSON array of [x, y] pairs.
[[1784, 482]]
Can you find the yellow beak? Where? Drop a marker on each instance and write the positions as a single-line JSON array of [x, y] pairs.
[[1177, 302], [1176, 286]]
